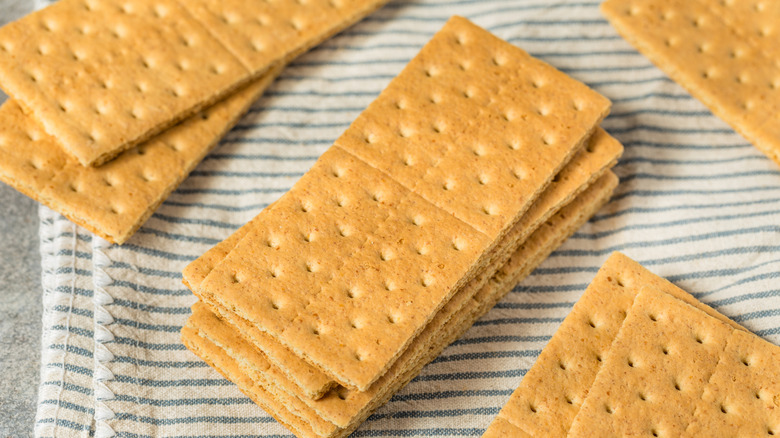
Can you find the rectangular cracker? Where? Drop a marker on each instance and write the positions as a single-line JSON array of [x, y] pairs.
[[114, 200], [405, 247], [476, 126], [341, 407], [103, 76], [261, 32], [723, 52], [549, 396], [534, 251], [602, 152], [33, 162], [674, 370]]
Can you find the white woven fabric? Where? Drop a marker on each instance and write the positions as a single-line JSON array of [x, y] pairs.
[[697, 204]]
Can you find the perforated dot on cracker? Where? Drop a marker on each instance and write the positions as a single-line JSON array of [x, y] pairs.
[[206, 335], [103, 76], [408, 232], [724, 52]]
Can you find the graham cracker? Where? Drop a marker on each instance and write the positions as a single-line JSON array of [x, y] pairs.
[[535, 250], [674, 370], [228, 368], [553, 390], [296, 259], [114, 200], [601, 153], [421, 253], [211, 327], [724, 53], [476, 126], [104, 76], [258, 32], [31, 158], [341, 413]]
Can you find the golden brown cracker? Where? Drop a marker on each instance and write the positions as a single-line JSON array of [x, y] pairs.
[[258, 32], [539, 244], [674, 370], [602, 151], [308, 239], [552, 392], [723, 52], [742, 398], [476, 126], [115, 199], [326, 334], [104, 76]]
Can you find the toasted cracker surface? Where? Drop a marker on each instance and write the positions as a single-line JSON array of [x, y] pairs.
[[476, 126], [742, 398]]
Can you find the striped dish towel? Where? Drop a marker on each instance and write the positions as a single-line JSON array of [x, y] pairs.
[[697, 204]]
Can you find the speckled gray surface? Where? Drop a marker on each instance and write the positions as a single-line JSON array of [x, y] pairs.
[[20, 299]]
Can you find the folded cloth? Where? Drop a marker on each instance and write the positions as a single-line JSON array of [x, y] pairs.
[[696, 204]]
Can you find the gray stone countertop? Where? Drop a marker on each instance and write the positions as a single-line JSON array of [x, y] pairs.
[[20, 294]]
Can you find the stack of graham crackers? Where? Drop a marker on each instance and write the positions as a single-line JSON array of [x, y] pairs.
[[472, 166], [638, 356], [115, 102]]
